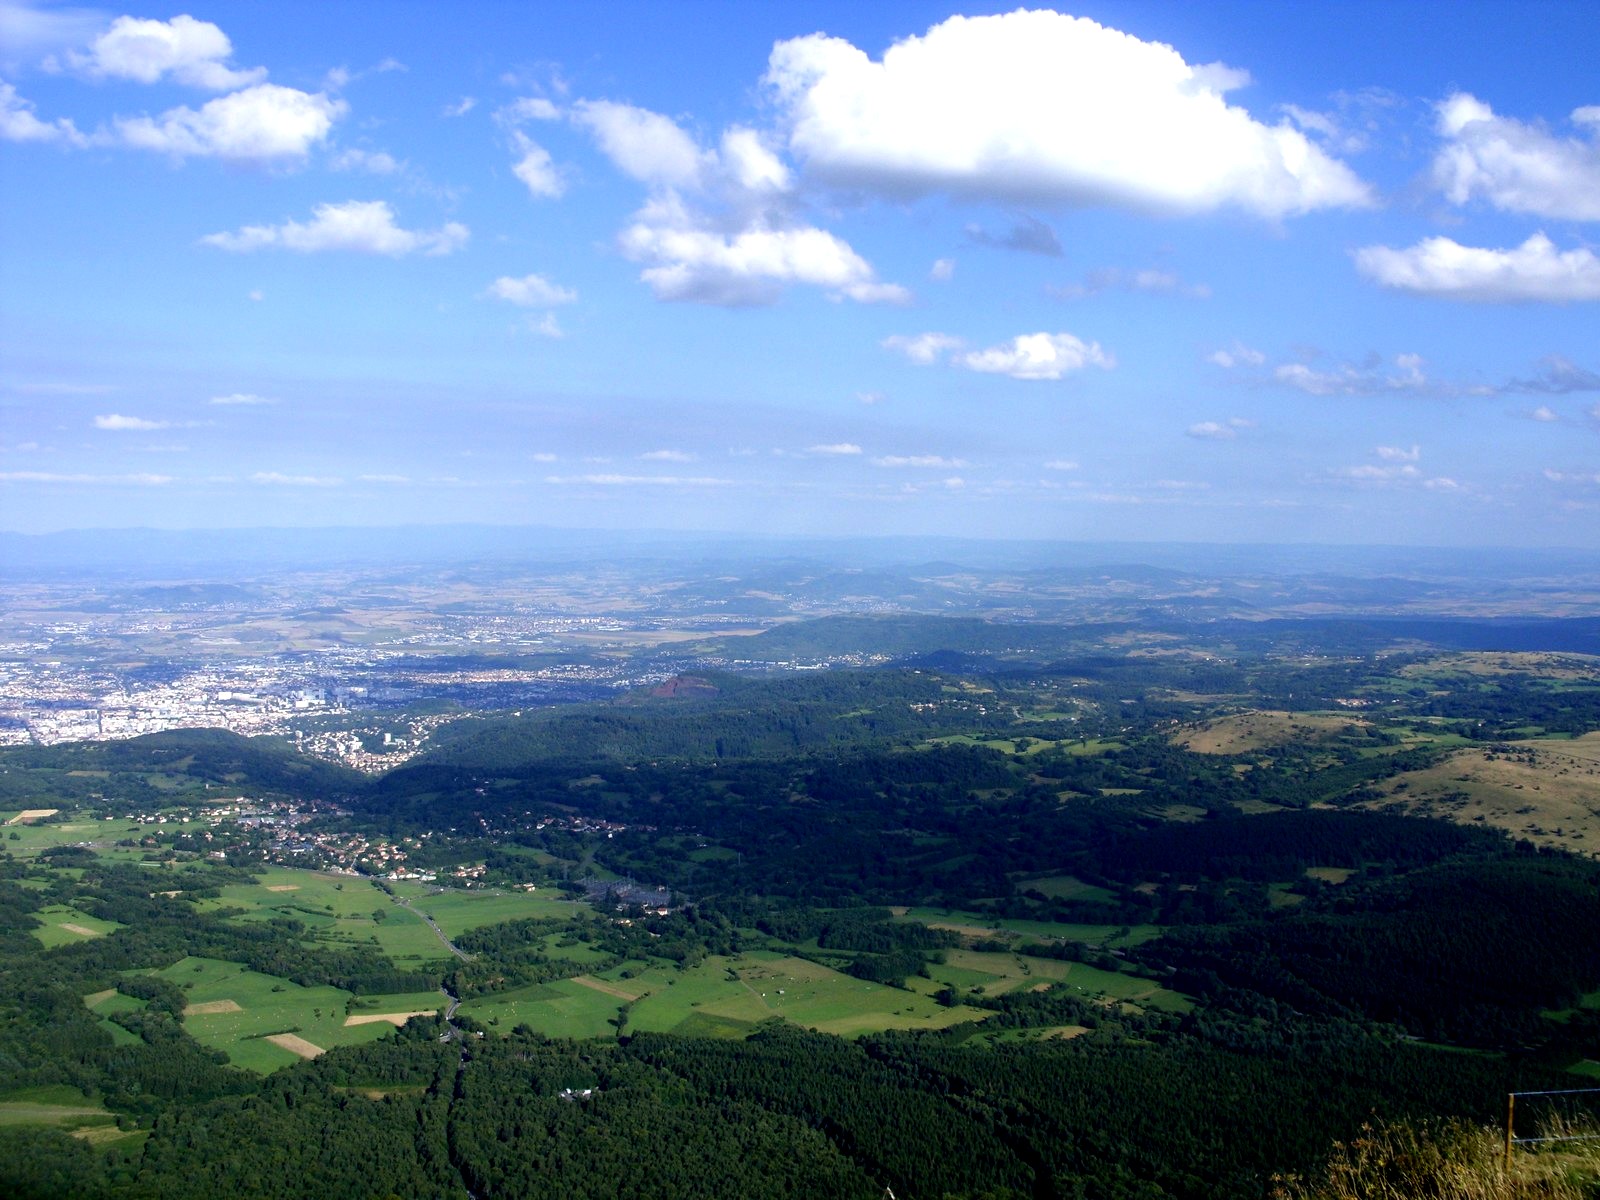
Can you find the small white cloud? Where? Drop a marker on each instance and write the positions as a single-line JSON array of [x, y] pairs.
[[677, 456], [1442, 483], [259, 123], [1370, 378], [357, 226], [1544, 413], [18, 122], [1517, 167], [1038, 356], [546, 326], [923, 349], [536, 169], [461, 107], [531, 291], [836, 448], [955, 482], [920, 460], [242, 399], [870, 398], [116, 421], [1399, 453], [372, 162], [943, 269], [1061, 464], [192, 52], [1214, 431], [1236, 355], [1439, 266], [1576, 478], [1398, 466], [397, 480], [696, 262], [528, 108], [1149, 280], [257, 295]]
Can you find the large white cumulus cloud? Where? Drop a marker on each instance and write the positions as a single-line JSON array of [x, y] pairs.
[[1040, 107]]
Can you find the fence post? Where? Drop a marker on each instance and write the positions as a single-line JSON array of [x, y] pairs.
[[1511, 1112]]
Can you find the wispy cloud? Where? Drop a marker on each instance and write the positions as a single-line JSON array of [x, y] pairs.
[[357, 226], [920, 460], [279, 479], [135, 480], [121, 423]]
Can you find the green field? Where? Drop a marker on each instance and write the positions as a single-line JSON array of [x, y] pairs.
[[1063, 887], [986, 925], [338, 909], [233, 1009], [1026, 745], [994, 973], [64, 926], [458, 911], [64, 1108], [724, 997]]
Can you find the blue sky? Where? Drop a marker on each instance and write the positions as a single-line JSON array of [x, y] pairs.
[[1221, 272]]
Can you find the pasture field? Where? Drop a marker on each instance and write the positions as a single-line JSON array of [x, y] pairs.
[[457, 911], [986, 925], [1481, 665], [1265, 729], [559, 1009], [1026, 745], [27, 839], [338, 909], [233, 1009], [721, 996], [994, 973], [738, 993], [66, 1109], [1066, 887], [103, 1004], [79, 827], [1546, 790], [64, 926]]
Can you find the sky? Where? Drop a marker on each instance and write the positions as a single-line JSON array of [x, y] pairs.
[[1232, 272]]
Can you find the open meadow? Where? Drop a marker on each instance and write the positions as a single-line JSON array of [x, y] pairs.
[[1546, 790], [262, 1022], [720, 997]]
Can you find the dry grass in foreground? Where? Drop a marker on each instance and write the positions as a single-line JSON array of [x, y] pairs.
[[1451, 1161]]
